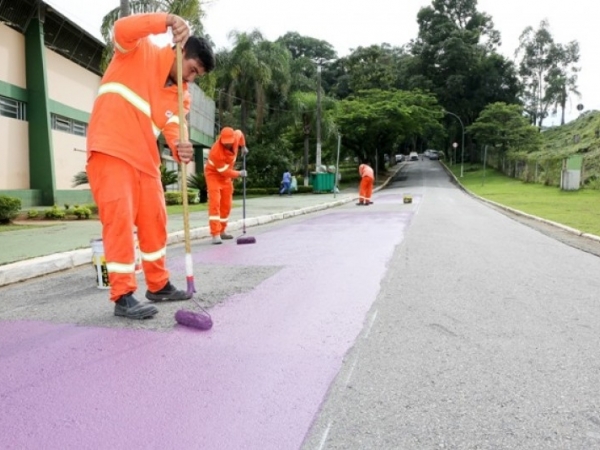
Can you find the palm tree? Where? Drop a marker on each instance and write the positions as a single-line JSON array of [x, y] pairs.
[[197, 181], [188, 9], [250, 73], [168, 177]]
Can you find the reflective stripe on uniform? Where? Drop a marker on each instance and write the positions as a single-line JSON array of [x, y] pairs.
[[224, 219], [214, 218], [154, 256], [135, 100], [120, 268], [222, 169]]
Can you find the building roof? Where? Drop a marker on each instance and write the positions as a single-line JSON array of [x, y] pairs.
[[61, 34]]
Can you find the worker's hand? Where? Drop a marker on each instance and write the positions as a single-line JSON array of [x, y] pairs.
[[185, 151], [179, 27], [244, 150], [243, 173]]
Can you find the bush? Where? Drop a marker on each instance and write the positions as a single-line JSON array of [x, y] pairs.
[[173, 198], [54, 213], [32, 214], [9, 208], [82, 212], [92, 207]]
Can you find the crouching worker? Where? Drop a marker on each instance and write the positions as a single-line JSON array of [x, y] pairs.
[[219, 174], [366, 184], [137, 100]]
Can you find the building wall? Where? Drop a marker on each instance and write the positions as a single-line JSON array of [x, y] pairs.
[[12, 56], [69, 158], [72, 91], [14, 154], [70, 84]]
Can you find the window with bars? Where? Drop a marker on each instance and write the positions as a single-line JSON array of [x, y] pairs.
[[61, 123], [15, 109]]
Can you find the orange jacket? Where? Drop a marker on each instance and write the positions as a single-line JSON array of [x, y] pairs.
[[134, 105], [221, 160], [365, 171]]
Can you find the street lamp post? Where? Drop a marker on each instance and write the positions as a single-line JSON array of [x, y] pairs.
[[318, 158], [462, 154]]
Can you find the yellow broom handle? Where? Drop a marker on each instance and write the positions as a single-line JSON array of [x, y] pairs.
[[182, 138]]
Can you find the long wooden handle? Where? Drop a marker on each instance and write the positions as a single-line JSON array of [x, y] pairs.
[[182, 138]]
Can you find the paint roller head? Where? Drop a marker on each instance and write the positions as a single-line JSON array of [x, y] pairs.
[[200, 321], [246, 240]]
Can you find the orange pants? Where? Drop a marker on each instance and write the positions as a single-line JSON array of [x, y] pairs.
[[220, 194], [126, 198], [365, 190]]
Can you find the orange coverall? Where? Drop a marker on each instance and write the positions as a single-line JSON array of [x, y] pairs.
[[366, 184], [134, 105], [219, 173]]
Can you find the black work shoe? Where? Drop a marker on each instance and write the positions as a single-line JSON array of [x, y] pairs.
[[360, 204], [225, 236], [128, 306], [167, 293]]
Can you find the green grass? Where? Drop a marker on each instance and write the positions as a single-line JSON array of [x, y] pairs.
[[178, 209], [577, 209], [13, 227]]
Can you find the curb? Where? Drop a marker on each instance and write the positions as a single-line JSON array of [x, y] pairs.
[[44, 265], [521, 213]]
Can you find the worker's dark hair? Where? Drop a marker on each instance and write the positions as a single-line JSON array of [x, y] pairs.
[[199, 48]]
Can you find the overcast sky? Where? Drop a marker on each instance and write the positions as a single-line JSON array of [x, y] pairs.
[[347, 25]]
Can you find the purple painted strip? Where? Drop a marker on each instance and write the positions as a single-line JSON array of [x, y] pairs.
[[255, 381]]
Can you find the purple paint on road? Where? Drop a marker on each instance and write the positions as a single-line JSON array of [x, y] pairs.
[[255, 381]]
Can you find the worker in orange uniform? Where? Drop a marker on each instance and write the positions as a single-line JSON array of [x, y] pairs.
[[138, 100], [219, 174], [366, 184]]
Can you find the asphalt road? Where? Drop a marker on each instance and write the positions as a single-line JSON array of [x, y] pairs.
[[437, 324], [484, 335]]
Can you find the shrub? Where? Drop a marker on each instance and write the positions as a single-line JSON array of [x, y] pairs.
[[9, 208], [32, 214], [66, 206], [54, 213], [92, 207], [82, 212], [173, 198]]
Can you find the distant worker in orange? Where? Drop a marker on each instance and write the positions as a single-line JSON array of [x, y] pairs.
[[219, 173], [137, 101], [366, 184]]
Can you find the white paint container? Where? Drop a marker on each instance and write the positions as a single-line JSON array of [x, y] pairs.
[[99, 262]]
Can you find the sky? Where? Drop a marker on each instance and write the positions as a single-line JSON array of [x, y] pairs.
[[347, 25]]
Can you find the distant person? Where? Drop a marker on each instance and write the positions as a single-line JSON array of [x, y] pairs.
[[366, 185], [286, 183], [219, 173]]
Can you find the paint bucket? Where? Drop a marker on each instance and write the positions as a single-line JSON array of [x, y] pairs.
[[99, 263]]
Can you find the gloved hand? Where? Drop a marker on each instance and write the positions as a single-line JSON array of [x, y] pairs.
[[244, 150], [243, 173]]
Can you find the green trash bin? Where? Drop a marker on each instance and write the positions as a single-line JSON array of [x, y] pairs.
[[322, 181]]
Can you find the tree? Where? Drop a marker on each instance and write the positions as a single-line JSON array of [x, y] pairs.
[[562, 78], [168, 177], [188, 9], [251, 70], [537, 51], [377, 121], [504, 127], [455, 57]]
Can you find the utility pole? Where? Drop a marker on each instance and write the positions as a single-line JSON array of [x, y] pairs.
[[318, 159], [462, 154]]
